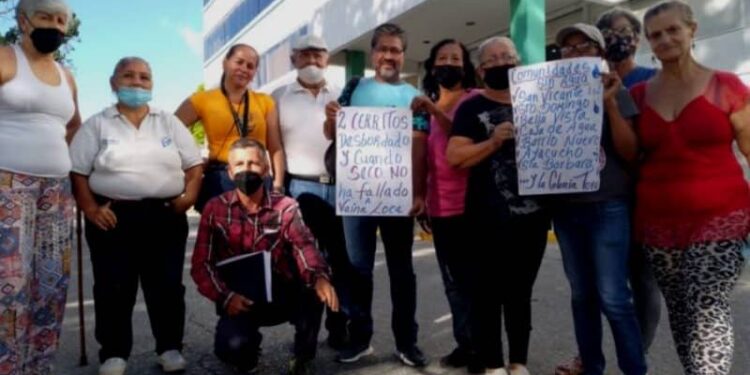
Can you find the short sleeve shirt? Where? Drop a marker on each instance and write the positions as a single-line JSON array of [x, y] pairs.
[[125, 162]]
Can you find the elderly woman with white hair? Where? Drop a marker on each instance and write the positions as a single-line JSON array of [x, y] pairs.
[[136, 170], [38, 116], [482, 140]]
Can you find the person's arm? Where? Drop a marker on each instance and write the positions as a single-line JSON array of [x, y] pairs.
[[616, 99], [203, 269], [184, 201], [423, 103], [419, 172], [741, 123], [101, 215], [329, 126], [75, 122], [187, 113], [192, 164], [275, 149], [313, 269]]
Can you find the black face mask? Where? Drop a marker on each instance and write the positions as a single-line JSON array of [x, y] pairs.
[[496, 77], [248, 182], [619, 48], [448, 75], [47, 40]]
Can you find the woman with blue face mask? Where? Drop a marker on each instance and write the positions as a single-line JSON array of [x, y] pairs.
[[136, 170]]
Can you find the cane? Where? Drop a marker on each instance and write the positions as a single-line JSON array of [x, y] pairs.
[[81, 324]]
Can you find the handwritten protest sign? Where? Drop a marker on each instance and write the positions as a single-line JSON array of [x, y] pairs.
[[373, 161], [557, 111]]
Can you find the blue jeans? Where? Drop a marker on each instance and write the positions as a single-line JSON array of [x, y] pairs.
[[317, 203], [397, 234], [595, 244]]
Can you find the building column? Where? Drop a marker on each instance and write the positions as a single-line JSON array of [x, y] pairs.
[[355, 64], [528, 29]]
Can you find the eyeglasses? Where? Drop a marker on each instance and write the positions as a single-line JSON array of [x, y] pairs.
[[496, 60], [392, 50], [580, 48], [623, 31]]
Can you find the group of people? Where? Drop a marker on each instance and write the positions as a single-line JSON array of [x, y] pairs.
[[671, 215]]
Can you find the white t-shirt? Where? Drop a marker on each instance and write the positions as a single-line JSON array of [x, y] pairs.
[[301, 117], [125, 162]]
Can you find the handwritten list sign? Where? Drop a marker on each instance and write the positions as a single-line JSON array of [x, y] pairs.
[[373, 161], [557, 111]]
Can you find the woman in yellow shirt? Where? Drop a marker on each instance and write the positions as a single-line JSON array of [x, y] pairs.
[[230, 112]]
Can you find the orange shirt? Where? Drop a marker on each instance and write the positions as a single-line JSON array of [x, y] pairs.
[[212, 108]]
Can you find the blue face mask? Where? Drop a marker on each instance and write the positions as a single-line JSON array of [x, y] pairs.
[[133, 97]]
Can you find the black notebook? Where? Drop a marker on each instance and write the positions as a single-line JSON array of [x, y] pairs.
[[249, 275]]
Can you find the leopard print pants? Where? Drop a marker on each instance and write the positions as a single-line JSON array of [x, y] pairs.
[[696, 283]]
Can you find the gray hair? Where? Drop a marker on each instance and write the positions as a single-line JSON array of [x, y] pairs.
[[607, 18], [497, 40], [244, 143], [125, 61], [680, 6], [388, 29], [29, 7]]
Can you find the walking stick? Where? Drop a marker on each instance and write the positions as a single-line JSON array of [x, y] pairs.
[[81, 323]]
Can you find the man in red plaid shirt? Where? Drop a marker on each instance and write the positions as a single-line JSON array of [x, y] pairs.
[[248, 219]]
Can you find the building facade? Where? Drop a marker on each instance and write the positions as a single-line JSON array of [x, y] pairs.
[[271, 26]]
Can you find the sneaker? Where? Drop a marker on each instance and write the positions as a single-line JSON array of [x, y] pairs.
[[497, 371], [172, 361], [299, 367], [574, 367], [354, 353], [456, 359], [113, 366], [518, 369], [412, 357], [337, 341], [475, 364]]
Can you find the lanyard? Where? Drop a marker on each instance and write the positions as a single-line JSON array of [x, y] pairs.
[[241, 125]]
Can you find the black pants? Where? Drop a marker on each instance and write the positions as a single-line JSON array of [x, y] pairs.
[[148, 244], [397, 234], [328, 229], [449, 234], [508, 256], [238, 339]]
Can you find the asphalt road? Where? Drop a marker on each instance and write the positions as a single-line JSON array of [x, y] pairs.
[[552, 340]]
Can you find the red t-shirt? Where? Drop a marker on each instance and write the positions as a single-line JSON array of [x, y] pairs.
[[691, 188]]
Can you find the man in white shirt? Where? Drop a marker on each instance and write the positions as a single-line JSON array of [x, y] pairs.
[[301, 107]]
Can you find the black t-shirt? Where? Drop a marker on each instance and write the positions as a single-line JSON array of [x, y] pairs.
[[493, 183]]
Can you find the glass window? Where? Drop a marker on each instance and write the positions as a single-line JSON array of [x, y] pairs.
[[239, 17]]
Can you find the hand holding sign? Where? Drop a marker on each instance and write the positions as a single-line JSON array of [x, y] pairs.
[[373, 162], [558, 117], [502, 133]]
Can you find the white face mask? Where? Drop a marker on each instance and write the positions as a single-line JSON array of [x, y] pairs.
[[311, 74]]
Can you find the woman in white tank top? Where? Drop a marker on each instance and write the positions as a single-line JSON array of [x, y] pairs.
[[38, 116]]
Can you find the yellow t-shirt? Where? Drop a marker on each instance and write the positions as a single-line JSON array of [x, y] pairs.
[[212, 108]]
